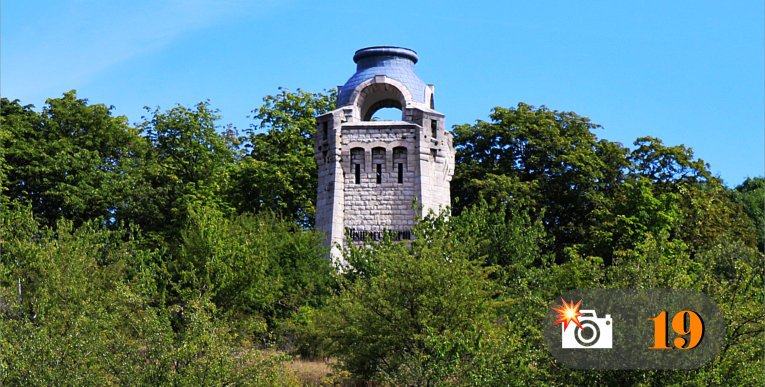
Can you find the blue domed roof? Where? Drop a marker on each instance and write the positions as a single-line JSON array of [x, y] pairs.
[[393, 62]]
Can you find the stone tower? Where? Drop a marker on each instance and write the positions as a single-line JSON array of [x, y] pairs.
[[371, 172]]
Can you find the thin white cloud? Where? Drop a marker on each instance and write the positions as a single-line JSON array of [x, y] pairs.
[[72, 42]]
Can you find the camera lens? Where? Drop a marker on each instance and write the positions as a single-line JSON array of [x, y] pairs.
[[591, 338]]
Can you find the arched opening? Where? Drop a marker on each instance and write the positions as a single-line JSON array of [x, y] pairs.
[[379, 96], [385, 114]]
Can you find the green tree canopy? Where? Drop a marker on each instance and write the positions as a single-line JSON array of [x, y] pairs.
[[258, 268], [71, 160], [278, 172], [540, 158], [751, 195], [188, 164]]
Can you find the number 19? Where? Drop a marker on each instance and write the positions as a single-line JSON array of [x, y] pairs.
[[693, 327]]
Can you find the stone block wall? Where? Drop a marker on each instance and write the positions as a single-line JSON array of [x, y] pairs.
[[378, 202]]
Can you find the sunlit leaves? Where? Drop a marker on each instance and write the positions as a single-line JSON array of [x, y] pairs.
[[278, 171]]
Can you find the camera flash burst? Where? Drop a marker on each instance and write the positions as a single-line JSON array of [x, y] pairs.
[[568, 312]]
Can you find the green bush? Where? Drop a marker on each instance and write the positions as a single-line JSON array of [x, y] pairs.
[[257, 269], [84, 319], [424, 312]]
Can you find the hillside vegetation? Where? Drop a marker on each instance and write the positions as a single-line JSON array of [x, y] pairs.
[[177, 251]]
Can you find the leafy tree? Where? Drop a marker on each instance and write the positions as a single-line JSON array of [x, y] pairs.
[[445, 308], [419, 298], [71, 160], [667, 165], [751, 195], [77, 316], [703, 209], [707, 215], [279, 171], [205, 352], [733, 277], [256, 268], [543, 159], [84, 314], [637, 212], [188, 164], [592, 195]]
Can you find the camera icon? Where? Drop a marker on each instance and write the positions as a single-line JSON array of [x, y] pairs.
[[596, 332]]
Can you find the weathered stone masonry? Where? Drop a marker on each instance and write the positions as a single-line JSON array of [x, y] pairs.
[[370, 172]]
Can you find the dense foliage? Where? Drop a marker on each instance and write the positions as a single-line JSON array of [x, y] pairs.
[[177, 252]]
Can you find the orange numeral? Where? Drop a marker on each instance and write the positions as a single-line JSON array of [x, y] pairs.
[[694, 327]]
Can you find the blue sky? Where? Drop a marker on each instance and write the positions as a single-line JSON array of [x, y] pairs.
[[688, 72]]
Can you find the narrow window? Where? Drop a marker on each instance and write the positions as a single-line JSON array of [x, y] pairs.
[[378, 160], [324, 129], [399, 160], [434, 128], [358, 163], [434, 154]]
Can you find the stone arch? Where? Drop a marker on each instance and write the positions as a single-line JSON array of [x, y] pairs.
[[377, 93], [368, 113]]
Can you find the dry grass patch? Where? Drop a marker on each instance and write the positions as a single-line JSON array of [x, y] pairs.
[[311, 372], [317, 372]]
